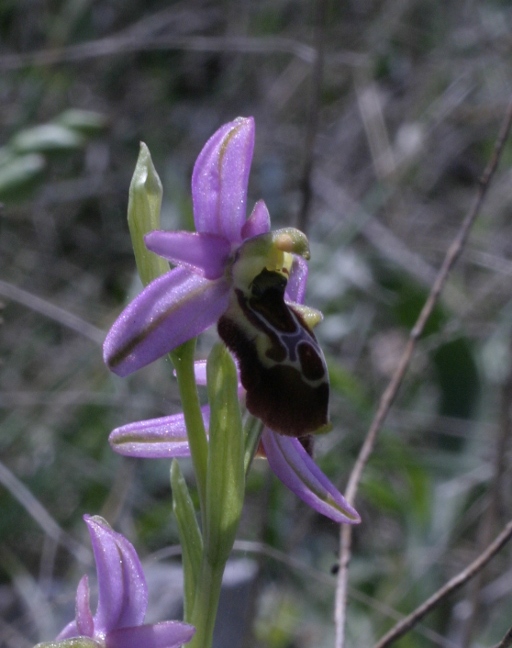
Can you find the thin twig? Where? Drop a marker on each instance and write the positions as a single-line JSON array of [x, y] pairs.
[[40, 515], [506, 642], [457, 581], [160, 31], [57, 314], [376, 233], [391, 391], [126, 43]]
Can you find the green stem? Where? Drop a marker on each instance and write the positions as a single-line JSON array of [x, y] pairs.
[[183, 360], [206, 603]]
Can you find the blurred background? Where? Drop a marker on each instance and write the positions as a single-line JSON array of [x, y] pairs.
[[375, 119]]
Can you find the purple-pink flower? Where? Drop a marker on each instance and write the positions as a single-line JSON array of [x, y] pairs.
[[122, 599], [188, 299], [166, 438]]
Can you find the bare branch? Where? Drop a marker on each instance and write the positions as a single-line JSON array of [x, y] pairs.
[[126, 43], [40, 515], [463, 577], [506, 642], [57, 314]]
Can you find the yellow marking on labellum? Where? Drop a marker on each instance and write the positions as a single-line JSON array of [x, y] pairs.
[[311, 316]]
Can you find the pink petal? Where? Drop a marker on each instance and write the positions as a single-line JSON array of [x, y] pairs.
[[122, 589], [206, 254], [160, 438], [168, 634], [84, 620], [83, 623], [169, 311], [220, 178], [295, 468], [296, 287], [258, 222]]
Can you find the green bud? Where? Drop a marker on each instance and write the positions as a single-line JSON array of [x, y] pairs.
[[145, 200]]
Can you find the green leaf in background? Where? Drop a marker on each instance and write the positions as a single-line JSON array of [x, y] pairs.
[[47, 138], [24, 158], [20, 175], [86, 122]]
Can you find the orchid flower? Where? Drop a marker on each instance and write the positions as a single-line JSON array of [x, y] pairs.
[[188, 299], [234, 272], [215, 263], [122, 600], [166, 437]]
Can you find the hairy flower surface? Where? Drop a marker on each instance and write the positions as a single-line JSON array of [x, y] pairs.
[[122, 599]]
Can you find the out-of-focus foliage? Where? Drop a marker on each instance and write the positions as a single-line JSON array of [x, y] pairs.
[[25, 156], [411, 97]]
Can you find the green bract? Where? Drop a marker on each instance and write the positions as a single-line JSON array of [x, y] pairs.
[[145, 200], [225, 485]]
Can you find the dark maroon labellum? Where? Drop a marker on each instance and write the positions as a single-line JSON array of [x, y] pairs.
[[282, 366]]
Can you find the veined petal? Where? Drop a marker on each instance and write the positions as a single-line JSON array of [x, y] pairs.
[[203, 253], [296, 287], [295, 468], [122, 589], [220, 178], [258, 222], [160, 438], [169, 311], [168, 634]]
